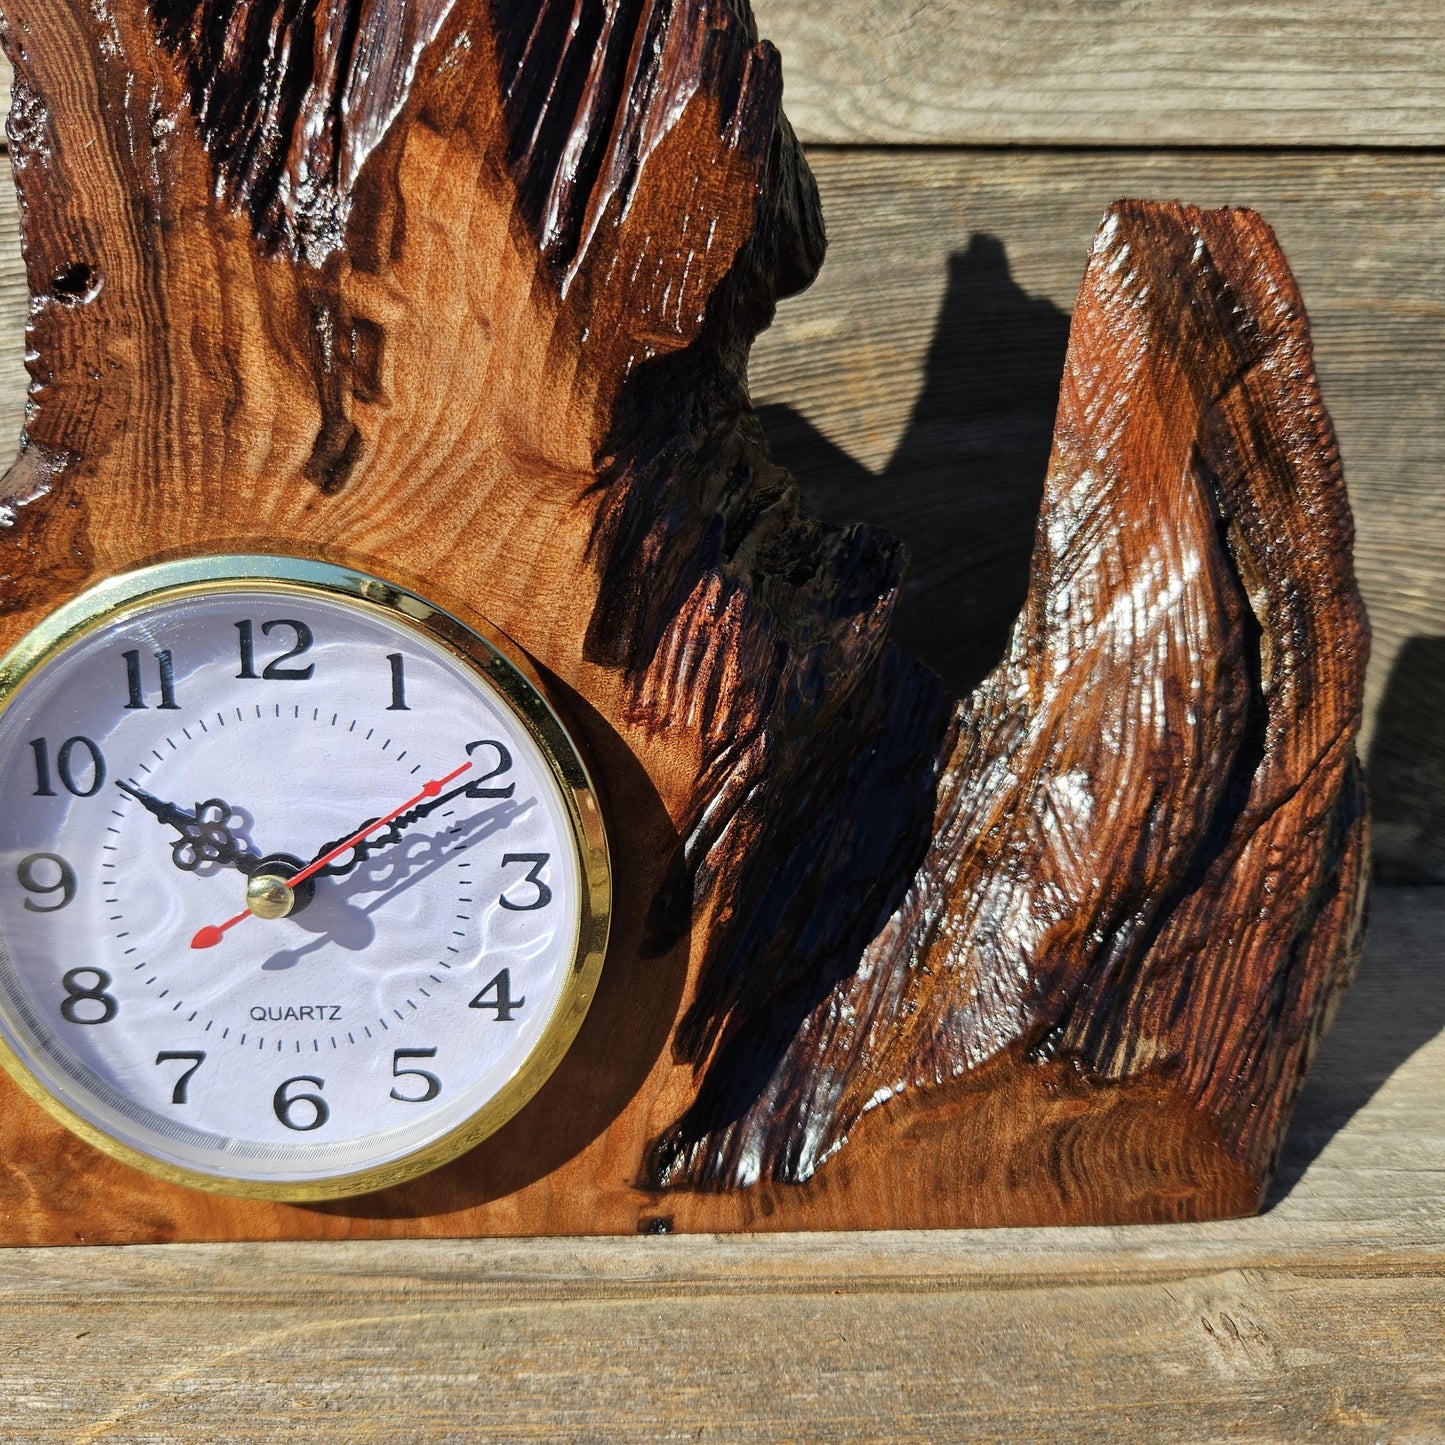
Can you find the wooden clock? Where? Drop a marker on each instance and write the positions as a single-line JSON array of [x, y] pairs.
[[452, 786]]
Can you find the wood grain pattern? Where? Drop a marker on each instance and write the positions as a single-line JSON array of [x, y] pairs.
[[1099, 73], [197, 367], [1321, 1317], [1107, 808], [1258, 1355], [236, 317], [291, 101]]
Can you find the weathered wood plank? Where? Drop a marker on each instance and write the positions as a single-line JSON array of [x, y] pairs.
[[1100, 72], [915, 384], [1368, 1140], [1260, 1356], [1326, 1314]]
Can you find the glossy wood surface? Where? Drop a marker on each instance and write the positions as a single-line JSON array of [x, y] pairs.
[[235, 336]]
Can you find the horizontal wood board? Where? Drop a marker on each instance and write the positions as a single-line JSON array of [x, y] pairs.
[[1109, 72], [1322, 1318]]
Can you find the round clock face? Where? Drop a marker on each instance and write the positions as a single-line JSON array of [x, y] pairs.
[[303, 889]]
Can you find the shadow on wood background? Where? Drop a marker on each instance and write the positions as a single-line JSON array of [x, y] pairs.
[[962, 489], [1407, 767], [1393, 1011]]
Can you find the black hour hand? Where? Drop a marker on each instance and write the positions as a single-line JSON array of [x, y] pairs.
[[205, 835]]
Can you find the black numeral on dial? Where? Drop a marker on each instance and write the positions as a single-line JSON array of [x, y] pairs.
[[66, 761], [64, 884], [273, 671], [544, 893], [398, 682], [432, 1085], [284, 1103], [195, 1057], [135, 683], [500, 989], [92, 995], [504, 765]]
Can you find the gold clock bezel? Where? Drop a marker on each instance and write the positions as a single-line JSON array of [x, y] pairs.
[[477, 645]]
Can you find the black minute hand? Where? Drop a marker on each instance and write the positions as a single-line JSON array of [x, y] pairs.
[[367, 846], [205, 836]]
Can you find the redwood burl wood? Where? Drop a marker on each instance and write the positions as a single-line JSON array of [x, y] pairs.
[[1147, 858], [462, 291]]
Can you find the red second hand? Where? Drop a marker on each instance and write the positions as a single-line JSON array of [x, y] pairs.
[[213, 933]]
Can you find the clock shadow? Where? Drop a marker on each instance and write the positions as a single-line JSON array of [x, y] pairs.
[[626, 1030]]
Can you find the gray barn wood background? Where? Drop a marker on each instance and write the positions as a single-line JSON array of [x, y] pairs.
[[965, 150]]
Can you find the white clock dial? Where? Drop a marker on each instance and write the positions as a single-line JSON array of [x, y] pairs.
[[197, 757]]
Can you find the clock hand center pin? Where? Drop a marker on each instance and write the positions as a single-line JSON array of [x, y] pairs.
[[269, 896], [264, 891]]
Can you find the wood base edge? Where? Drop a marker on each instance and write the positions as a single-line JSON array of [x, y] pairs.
[[1017, 1144]]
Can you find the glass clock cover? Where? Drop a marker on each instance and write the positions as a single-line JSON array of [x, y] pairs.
[[302, 884]]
